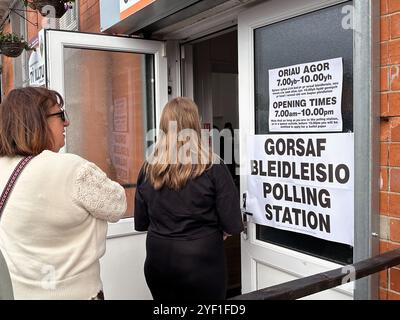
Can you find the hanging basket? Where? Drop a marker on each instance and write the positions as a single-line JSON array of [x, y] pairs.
[[59, 6], [12, 49]]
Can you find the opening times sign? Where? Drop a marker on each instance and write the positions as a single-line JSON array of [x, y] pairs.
[[306, 97], [301, 183]]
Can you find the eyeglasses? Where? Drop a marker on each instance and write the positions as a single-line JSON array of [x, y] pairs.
[[62, 114]]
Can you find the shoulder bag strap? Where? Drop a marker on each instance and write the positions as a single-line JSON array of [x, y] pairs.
[[11, 182]]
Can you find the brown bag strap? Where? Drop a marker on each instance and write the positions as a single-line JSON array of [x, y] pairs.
[[11, 182]]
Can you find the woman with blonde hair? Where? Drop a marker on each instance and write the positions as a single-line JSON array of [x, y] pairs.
[[55, 206], [187, 201]]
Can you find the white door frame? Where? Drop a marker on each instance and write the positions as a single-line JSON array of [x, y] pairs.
[[55, 75], [256, 253], [122, 265]]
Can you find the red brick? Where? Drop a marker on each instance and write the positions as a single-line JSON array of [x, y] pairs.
[[385, 28], [393, 295], [394, 78], [383, 279], [383, 294], [385, 131], [395, 279], [393, 246], [384, 53], [384, 203], [90, 16], [394, 51], [393, 6], [395, 230], [393, 205], [95, 10], [394, 180], [384, 179], [92, 2], [385, 246], [384, 105], [395, 130], [394, 26], [385, 79], [394, 104], [83, 7], [384, 154], [384, 7], [394, 154]]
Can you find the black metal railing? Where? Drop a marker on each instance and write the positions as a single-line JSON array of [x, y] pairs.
[[326, 280]]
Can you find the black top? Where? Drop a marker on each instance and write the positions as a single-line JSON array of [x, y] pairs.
[[206, 204]]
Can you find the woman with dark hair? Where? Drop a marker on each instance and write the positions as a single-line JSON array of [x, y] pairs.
[[53, 224], [188, 203]]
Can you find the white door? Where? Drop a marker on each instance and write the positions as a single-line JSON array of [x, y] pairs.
[[276, 34], [114, 89]]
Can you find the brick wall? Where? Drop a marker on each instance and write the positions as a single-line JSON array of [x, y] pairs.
[[36, 24], [390, 143], [89, 15]]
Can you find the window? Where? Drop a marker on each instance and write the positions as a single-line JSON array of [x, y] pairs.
[[311, 37], [110, 100]]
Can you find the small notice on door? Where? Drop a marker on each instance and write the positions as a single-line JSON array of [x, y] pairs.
[[306, 97]]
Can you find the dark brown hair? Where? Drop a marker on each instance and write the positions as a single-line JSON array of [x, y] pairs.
[[23, 121]]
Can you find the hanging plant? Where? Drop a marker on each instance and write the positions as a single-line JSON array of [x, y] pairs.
[[60, 6], [12, 45]]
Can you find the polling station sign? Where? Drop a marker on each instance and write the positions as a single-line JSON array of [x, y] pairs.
[[306, 97], [303, 183]]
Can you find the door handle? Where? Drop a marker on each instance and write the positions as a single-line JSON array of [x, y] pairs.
[[244, 232], [244, 215]]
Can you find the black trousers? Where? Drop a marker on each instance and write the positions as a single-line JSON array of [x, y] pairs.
[[179, 270]]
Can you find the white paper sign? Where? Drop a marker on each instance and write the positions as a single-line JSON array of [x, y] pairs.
[[37, 70], [303, 183], [306, 97]]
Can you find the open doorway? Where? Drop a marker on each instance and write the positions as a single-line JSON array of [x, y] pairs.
[[215, 91]]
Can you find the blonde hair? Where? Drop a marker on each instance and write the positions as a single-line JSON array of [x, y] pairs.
[[163, 168], [24, 129]]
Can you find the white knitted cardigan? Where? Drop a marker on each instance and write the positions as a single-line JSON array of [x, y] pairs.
[[53, 228]]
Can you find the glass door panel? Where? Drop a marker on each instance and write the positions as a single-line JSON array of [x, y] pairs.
[[114, 89], [110, 102]]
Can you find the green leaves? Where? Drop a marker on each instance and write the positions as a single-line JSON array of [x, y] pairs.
[[10, 37], [12, 45]]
